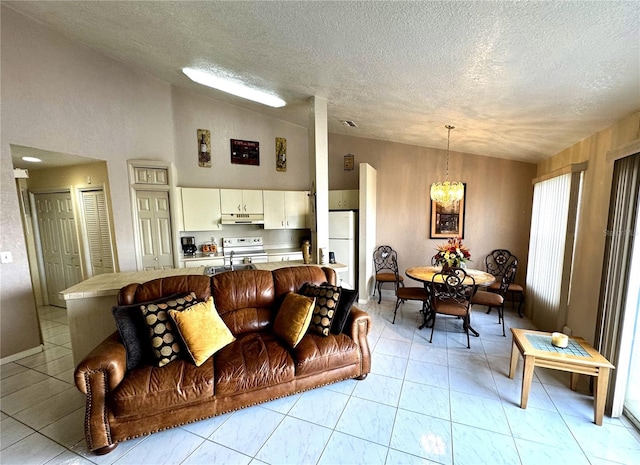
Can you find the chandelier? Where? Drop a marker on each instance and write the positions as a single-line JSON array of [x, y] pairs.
[[447, 193]]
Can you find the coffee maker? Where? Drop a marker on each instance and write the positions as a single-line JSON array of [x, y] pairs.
[[189, 246]]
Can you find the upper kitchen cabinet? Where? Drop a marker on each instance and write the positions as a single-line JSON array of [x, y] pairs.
[[343, 199], [201, 209], [285, 209], [234, 201]]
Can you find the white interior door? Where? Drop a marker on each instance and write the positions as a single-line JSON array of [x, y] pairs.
[[59, 244], [154, 228], [96, 223]]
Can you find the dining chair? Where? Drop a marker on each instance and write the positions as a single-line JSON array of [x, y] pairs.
[[451, 292], [497, 263], [385, 262], [404, 293], [493, 299]]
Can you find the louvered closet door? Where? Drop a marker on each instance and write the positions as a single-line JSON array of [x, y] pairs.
[[98, 232]]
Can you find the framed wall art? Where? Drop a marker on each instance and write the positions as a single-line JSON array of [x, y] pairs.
[[204, 148], [245, 152], [281, 154], [448, 220]]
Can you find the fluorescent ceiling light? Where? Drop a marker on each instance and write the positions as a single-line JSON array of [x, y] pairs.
[[31, 159], [234, 88]]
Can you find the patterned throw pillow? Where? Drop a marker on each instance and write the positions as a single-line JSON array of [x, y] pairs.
[[165, 340], [327, 297]]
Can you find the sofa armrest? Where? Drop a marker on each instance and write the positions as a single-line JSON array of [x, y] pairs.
[[360, 323], [98, 373], [110, 357]]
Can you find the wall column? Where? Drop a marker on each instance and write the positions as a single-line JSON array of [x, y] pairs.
[[319, 173]]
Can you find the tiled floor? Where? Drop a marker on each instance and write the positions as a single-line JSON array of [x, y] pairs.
[[423, 403]]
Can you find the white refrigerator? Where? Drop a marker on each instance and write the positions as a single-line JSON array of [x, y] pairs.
[[343, 227]]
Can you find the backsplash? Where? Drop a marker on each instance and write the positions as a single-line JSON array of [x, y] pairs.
[[272, 238]]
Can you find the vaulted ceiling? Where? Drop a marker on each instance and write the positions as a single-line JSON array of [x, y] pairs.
[[519, 79]]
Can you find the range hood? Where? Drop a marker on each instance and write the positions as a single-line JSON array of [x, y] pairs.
[[242, 218]]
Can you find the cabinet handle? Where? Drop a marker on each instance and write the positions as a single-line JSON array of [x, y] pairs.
[[156, 258], [282, 223], [245, 208], [239, 208]]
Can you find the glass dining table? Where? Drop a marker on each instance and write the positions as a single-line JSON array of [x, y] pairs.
[[425, 275]]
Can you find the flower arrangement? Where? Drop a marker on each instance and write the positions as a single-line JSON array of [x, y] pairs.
[[452, 254]]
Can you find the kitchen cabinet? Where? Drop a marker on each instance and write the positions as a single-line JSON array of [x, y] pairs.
[[285, 209], [145, 175], [346, 199], [201, 209], [285, 257], [233, 201], [206, 262]]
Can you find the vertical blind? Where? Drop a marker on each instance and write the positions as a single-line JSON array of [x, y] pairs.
[[615, 287], [547, 242]]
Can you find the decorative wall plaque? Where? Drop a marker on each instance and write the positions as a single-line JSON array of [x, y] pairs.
[[245, 152], [348, 162], [204, 148], [281, 154]]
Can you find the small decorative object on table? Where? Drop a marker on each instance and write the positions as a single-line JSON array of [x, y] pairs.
[[452, 254]]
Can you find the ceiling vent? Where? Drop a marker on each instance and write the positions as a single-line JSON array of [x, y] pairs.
[[351, 124]]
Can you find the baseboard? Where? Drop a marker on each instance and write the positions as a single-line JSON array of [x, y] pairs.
[[23, 354]]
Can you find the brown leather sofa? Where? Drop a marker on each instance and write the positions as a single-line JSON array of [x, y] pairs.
[[257, 367]]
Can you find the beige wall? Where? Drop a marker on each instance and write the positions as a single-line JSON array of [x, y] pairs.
[[589, 249], [193, 112], [498, 200]]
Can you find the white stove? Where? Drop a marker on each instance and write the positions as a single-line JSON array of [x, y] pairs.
[[240, 252]]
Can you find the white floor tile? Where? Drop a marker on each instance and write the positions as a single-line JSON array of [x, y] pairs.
[[68, 430], [534, 453], [367, 420], [479, 412], [379, 388], [396, 457], [320, 406], [394, 348], [423, 436], [256, 423], [30, 396], [478, 381], [343, 449], [35, 449], [166, 447], [10, 369], [294, 442], [210, 452], [12, 431], [69, 458], [474, 446], [389, 366], [206, 428], [428, 373], [539, 426], [428, 400], [52, 408], [428, 353], [21, 380]]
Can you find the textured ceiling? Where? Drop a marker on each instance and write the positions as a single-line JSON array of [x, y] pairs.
[[520, 80]]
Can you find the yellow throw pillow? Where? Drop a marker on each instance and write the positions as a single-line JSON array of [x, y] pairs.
[[202, 330], [293, 318]]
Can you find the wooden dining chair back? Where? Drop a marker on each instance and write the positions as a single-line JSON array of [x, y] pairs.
[[385, 263], [404, 293], [497, 263], [451, 292], [496, 299]]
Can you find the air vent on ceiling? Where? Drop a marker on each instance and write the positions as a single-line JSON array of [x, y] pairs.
[[351, 124]]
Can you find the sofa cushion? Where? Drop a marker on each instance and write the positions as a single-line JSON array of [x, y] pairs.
[[327, 297], [347, 299], [244, 299], [150, 389], [165, 340], [315, 353], [252, 361], [293, 318], [202, 330]]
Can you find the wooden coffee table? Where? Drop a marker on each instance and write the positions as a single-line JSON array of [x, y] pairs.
[[579, 358]]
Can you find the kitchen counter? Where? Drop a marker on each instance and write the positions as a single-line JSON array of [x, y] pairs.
[[339, 267], [89, 305]]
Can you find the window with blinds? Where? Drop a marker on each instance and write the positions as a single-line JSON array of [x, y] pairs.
[[553, 220]]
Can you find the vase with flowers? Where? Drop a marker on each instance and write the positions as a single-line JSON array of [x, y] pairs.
[[452, 254]]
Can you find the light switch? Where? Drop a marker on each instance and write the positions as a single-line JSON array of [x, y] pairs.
[[6, 257]]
